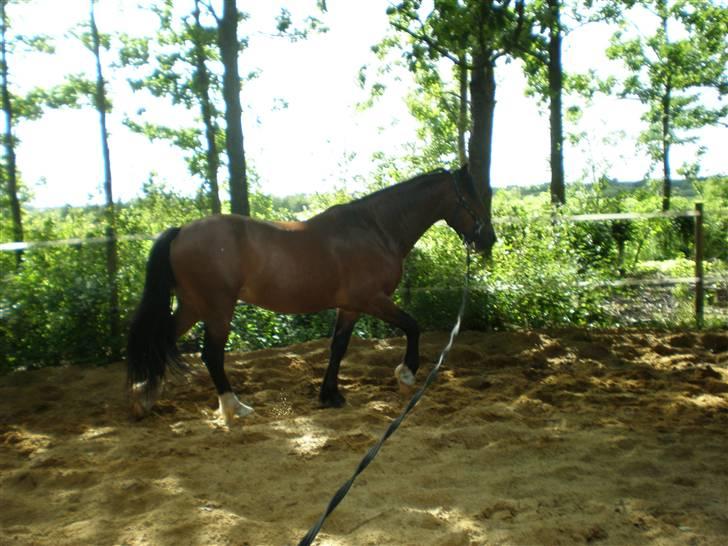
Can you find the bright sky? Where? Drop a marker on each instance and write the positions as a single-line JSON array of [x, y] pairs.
[[320, 141]]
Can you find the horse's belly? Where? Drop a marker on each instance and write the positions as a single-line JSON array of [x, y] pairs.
[[295, 294]]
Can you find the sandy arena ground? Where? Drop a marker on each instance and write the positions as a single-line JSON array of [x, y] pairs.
[[529, 438]]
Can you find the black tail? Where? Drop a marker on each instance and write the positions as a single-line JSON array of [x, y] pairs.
[[152, 342]]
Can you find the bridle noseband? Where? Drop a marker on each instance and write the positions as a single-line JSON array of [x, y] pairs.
[[479, 222]]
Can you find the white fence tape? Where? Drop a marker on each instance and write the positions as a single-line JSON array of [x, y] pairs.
[[709, 282], [601, 217], [14, 246]]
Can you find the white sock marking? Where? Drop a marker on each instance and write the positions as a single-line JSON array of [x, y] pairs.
[[230, 407], [404, 375], [141, 400]]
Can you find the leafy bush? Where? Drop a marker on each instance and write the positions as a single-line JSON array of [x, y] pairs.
[[545, 271]]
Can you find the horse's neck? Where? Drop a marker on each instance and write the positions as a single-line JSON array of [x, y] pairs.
[[404, 216]]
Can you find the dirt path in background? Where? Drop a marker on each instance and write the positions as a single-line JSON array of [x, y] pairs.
[[550, 438]]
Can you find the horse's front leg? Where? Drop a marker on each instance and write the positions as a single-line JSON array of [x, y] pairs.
[[405, 372], [330, 395], [386, 310]]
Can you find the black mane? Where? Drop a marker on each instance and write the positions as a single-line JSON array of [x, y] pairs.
[[397, 188], [388, 196]]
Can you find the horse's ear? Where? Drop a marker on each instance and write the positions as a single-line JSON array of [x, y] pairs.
[[467, 176], [462, 172]]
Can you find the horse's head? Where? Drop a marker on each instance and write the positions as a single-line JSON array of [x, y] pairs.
[[470, 217]]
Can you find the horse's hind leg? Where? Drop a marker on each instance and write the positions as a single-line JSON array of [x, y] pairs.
[[143, 397], [184, 319], [330, 395], [213, 355]]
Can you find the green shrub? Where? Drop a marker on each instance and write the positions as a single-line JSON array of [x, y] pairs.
[[545, 271]]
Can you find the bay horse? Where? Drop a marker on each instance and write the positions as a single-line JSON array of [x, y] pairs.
[[349, 257]]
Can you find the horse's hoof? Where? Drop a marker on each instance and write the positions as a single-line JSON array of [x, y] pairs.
[[231, 407], [142, 400], [138, 410], [404, 376], [406, 390], [335, 400]]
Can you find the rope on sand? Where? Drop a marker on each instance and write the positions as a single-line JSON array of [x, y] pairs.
[[369, 457]]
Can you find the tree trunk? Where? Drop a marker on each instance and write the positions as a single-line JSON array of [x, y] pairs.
[[463, 109], [9, 141], [112, 259], [482, 109], [202, 84], [666, 113], [228, 42], [666, 176], [555, 75]]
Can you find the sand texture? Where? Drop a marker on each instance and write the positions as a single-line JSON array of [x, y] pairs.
[[526, 438]]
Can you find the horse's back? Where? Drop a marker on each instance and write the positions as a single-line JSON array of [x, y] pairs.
[[283, 266]]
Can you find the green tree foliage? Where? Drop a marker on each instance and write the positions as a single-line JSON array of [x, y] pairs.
[[544, 71], [8, 138], [713, 192], [473, 35], [176, 65], [439, 102], [230, 46], [112, 252], [193, 62], [16, 108], [437, 106], [545, 272], [671, 71]]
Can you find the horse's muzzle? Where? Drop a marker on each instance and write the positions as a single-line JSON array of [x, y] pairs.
[[484, 240]]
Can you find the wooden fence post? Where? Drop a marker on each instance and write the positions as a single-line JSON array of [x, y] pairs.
[[699, 276]]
